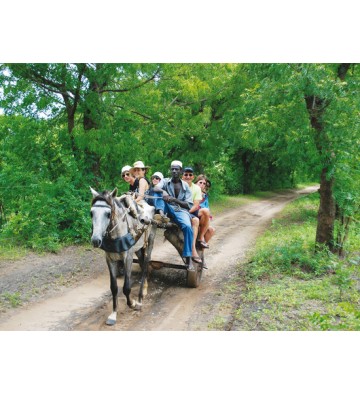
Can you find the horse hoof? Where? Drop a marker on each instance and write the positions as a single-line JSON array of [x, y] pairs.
[[138, 306], [111, 320]]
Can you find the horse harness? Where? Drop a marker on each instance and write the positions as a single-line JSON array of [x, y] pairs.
[[123, 243]]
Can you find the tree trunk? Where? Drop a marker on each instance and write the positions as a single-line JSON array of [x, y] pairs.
[[326, 213], [316, 107]]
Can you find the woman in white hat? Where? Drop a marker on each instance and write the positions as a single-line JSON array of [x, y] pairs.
[[139, 172], [129, 178]]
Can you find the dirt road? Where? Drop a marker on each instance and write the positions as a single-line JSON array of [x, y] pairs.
[[79, 299]]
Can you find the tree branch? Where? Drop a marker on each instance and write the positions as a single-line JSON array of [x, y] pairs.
[[132, 88]]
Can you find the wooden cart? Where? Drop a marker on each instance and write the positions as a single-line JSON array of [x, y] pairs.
[[175, 237]]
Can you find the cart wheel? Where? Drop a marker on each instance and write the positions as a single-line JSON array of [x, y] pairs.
[[193, 277]]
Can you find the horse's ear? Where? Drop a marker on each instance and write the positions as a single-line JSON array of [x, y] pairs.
[[113, 193], [94, 193]]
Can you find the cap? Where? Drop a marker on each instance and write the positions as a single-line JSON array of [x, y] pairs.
[[125, 168], [158, 174], [176, 163], [190, 169]]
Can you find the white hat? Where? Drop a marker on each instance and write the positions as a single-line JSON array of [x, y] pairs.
[[157, 173], [125, 168], [176, 163]]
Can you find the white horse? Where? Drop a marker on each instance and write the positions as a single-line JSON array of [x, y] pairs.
[[120, 228]]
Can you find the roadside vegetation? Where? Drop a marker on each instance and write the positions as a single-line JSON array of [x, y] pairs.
[[286, 285]]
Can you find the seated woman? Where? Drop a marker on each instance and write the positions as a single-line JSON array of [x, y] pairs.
[[130, 179], [156, 192], [139, 172], [206, 230]]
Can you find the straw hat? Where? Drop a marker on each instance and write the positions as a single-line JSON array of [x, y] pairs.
[[139, 164]]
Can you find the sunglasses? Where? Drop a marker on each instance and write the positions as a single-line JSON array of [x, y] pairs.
[[156, 178], [188, 174], [125, 175]]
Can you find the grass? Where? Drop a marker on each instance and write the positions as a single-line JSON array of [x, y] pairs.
[[12, 299], [10, 252], [289, 287]]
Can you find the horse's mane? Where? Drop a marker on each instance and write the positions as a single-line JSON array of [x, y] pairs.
[[103, 197], [123, 202]]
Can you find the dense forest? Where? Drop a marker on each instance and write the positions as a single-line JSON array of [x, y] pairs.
[[249, 127]]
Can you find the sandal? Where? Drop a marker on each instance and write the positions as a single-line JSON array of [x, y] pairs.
[[196, 259], [203, 244]]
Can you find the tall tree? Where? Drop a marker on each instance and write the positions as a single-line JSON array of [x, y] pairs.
[[317, 103]]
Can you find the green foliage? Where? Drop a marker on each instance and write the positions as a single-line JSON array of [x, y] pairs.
[[45, 203], [290, 287], [288, 246], [14, 299], [246, 126]]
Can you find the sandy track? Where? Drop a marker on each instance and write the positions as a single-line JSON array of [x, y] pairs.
[[169, 305]]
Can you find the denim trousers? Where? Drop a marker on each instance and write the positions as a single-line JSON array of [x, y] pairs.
[[182, 219]]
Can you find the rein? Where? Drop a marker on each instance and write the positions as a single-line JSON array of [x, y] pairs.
[[123, 243]]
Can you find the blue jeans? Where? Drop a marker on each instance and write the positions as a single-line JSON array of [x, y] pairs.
[[152, 201], [182, 219]]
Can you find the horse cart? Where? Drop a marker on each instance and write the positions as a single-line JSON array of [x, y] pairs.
[[121, 228], [174, 236]]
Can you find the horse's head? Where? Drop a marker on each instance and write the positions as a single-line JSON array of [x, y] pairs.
[[102, 212]]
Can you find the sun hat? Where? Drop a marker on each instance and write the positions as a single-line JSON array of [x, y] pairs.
[[139, 165], [125, 168], [176, 163]]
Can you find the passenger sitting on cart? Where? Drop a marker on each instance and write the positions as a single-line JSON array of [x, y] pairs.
[[188, 177], [139, 172], [205, 184], [130, 179], [176, 203], [155, 192]]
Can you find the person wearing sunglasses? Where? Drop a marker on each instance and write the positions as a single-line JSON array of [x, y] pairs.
[[139, 172], [206, 229], [130, 179], [202, 213], [188, 177], [155, 192]]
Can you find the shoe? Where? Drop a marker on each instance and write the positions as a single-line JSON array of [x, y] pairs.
[[161, 218], [190, 267], [196, 259], [188, 264], [165, 219], [203, 244], [157, 217]]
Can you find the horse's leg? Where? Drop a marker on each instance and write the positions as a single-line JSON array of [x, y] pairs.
[[145, 266], [141, 256], [112, 265], [127, 278]]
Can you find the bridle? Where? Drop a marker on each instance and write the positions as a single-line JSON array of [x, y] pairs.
[[123, 243]]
